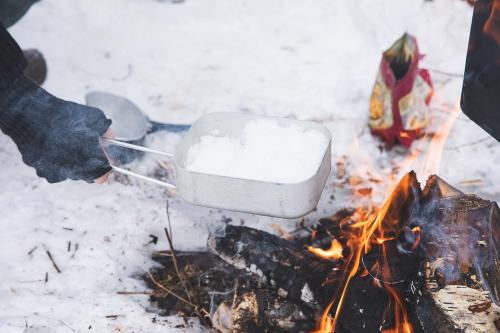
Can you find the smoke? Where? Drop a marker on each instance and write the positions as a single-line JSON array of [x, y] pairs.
[[457, 235]]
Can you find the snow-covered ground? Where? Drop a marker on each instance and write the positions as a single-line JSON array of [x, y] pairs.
[[313, 60]]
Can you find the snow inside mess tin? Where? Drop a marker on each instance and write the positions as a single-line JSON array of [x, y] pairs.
[[265, 151], [310, 60]]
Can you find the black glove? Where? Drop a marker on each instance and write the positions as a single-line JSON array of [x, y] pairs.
[[59, 139]]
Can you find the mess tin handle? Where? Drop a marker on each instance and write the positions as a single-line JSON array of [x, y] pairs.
[[144, 149]]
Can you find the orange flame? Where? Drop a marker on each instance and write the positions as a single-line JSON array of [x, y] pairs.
[[369, 226], [401, 316], [430, 164], [375, 227], [416, 232], [334, 252], [326, 324]]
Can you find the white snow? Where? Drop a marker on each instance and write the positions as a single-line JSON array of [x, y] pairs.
[[265, 151], [311, 60]]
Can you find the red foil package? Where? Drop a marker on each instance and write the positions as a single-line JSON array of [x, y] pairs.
[[399, 104]]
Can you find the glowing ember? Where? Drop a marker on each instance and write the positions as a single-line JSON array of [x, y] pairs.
[[334, 252], [416, 232]]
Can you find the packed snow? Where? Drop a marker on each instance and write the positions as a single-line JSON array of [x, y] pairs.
[[310, 60], [265, 151]]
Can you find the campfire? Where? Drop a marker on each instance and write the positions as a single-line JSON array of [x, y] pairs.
[[401, 268], [424, 261]]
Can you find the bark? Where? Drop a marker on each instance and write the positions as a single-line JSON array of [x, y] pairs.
[[461, 236], [455, 308]]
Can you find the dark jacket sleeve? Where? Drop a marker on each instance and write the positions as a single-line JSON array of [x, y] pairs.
[[60, 139], [12, 61], [481, 86]]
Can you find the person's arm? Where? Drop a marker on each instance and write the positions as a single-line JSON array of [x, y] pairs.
[[60, 139], [481, 86], [12, 61]]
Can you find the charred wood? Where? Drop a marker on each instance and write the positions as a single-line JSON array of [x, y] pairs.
[[439, 252], [237, 301], [296, 273]]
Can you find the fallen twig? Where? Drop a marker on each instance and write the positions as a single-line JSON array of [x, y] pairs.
[[74, 252], [236, 286], [201, 312], [71, 328], [168, 233], [32, 250], [163, 254], [53, 262], [134, 292], [170, 291], [114, 317]]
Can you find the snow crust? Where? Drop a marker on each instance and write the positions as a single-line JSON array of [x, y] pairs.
[[310, 60]]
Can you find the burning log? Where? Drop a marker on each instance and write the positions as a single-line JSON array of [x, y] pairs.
[[236, 300], [297, 274], [455, 308], [305, 279], [461, 236], [426, 261]]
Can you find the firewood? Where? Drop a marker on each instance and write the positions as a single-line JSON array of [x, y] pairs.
[[457, 309], [462, 231], [439, 245], [285, 269], [298, 273], [248, 306], [460, 234], [261, 311]]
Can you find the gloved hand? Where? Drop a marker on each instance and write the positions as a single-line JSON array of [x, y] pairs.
[[59, 139]]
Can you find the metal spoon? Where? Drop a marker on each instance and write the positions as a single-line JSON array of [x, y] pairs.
[[129, 125]]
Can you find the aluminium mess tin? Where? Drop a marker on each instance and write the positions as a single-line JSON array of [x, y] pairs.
[[286, 200]]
